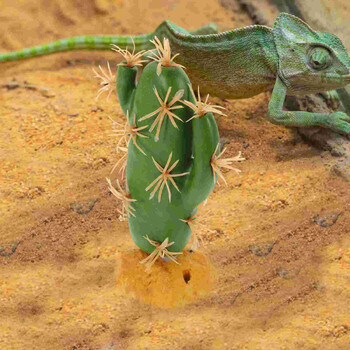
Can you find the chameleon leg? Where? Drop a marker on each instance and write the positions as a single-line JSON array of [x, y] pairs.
[[337, 121], [332, 97], [344, 95]]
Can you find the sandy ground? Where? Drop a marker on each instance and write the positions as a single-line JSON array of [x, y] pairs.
[[277, 236]]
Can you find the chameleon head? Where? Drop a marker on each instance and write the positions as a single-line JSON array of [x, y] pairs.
[[309, 61]]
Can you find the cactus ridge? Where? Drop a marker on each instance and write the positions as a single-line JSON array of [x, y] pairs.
[[164, 109], [163, 178]]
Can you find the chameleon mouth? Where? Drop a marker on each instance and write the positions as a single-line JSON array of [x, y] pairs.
[[337, 79]]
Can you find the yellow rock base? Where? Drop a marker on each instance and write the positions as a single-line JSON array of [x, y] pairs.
[[167, 284]]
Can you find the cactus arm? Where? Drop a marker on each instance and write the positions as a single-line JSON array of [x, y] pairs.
[[200, 182], [126, 86]]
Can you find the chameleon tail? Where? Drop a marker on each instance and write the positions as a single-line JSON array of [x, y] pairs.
[[100, 42], [80, 43]]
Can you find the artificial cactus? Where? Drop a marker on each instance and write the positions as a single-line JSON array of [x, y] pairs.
[[173, 152]]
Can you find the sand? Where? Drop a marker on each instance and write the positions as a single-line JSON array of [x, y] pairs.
[[277, 236]]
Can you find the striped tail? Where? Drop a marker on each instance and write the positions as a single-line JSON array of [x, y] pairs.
[[99, 42]]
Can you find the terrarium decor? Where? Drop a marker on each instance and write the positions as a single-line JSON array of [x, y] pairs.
[[172, 150]]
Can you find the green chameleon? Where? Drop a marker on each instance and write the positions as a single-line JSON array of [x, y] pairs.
[[292, 58]]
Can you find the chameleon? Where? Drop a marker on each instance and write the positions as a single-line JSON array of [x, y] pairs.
[[290, 58]]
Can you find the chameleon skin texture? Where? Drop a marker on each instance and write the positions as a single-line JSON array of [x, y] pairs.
[[298, 47], [94, 42], [244, 62], [193, 144], [235, 64], [78, 43], [309, 62]]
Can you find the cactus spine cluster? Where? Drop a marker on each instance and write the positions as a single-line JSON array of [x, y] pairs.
[[172, 152]]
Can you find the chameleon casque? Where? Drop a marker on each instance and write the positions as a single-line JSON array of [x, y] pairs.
[[291, 57]]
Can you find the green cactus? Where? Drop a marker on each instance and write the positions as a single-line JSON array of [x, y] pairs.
[[172, 163]]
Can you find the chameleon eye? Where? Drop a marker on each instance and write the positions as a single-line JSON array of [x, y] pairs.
[[320, 58]]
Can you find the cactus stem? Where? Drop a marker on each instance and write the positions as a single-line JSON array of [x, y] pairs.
[[130, 132], [162, 179], [107, 81], [201, 108], [160, 251], [131, 58], [124, 197], [164, 55], [165, 108], [217, 163]]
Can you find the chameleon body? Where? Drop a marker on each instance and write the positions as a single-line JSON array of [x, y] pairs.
[[291, 57]]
